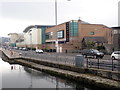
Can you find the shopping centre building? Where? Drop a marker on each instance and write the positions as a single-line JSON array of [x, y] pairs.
[[73, 35], [68, 36]]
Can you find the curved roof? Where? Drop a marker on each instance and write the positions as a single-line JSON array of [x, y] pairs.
[[37, 26]]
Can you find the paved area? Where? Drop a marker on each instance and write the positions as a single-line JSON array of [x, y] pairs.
[[11, 53]]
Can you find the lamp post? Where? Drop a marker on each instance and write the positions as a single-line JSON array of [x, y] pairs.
[[30, 33], [56, 42]]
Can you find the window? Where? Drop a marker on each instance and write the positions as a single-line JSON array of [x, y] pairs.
[[60, 34], [73, 28], [92, 33], [48, 35], [116, 52]]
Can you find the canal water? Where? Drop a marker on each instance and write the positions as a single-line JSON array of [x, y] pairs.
[[17, 76]]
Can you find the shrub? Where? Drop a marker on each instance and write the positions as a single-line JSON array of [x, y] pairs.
[[33, 48], [100, 48]]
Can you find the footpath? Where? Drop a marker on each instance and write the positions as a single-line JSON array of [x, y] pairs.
[[67, 72]]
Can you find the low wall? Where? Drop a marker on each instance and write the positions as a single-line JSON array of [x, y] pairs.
[[99, 72], [86, 80]]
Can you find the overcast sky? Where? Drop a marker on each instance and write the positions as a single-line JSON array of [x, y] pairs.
[[16, 15]]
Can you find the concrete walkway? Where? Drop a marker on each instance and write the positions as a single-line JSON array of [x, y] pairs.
[[11, 53]]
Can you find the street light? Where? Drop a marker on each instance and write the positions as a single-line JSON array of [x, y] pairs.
[[56, 42]]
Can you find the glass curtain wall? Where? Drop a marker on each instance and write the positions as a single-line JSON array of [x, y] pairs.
[[43, 34], [74, 28]]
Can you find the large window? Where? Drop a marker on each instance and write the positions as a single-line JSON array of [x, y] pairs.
[[48, 35], [60, 34], [92, 33], [73, 28]]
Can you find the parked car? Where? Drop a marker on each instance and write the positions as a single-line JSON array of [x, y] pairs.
[[115, 55], [92, 52], [20, 48], [24, 49], [16, 48], [39, 51]]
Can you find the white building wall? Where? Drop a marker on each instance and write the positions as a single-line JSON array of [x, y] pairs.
[[20, 44], [27, 38], [13, 38], [35, 35], [39, 36]]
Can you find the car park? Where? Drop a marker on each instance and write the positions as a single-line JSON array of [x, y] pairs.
[[39, 51], [115, 55], [92, 52]]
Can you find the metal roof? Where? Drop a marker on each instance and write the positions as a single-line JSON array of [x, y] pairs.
[[83, 22], [116, 27], [37, 26]]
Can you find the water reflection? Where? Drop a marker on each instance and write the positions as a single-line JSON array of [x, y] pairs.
[[16, 76], [59, 83]]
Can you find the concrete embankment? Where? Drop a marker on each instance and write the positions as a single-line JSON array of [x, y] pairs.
[[69, 72]]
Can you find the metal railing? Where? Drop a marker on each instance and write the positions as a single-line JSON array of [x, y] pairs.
[[113, 65], [108, 64]]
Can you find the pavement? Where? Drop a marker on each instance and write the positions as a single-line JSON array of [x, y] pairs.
[[65, 58], [11, 53]]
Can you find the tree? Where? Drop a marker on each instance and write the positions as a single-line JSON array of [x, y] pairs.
[[90, 44]]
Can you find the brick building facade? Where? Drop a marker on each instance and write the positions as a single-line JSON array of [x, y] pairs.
[[69, 35], [116, 38]]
